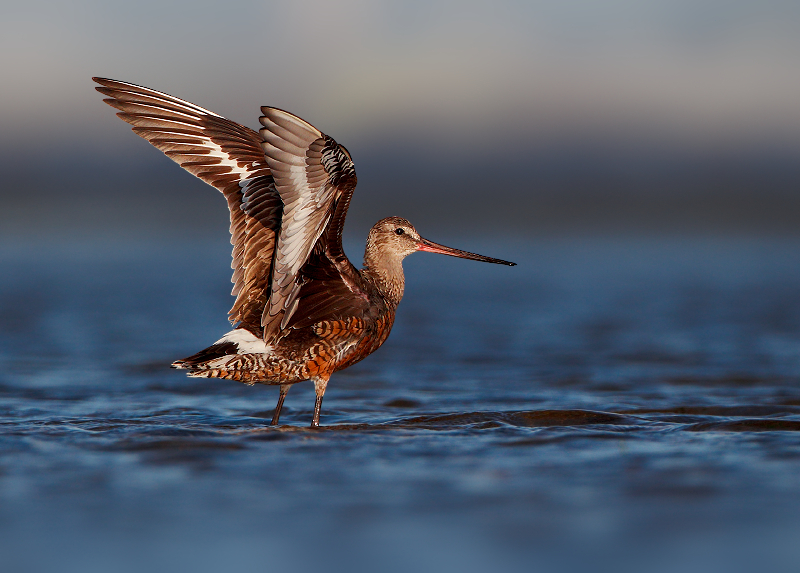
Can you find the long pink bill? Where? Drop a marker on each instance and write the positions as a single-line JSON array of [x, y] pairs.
[[431, 247]]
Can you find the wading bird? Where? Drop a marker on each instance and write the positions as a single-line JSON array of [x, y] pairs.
[[302, 310]]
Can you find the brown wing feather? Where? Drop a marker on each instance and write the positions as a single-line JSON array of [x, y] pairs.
[[327, 294], [288, 190], [312, 175], [260, 207], [227, 156]]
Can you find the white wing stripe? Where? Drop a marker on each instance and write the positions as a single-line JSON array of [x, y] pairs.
[[226, 160], [212, 150]]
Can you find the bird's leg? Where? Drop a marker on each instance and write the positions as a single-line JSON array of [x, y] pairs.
[[319, 389], [277, 414]]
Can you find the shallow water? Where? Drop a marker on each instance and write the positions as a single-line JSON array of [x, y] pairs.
[[621, 404]]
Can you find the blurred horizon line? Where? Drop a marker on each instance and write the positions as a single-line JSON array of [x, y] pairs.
[[131, 189]]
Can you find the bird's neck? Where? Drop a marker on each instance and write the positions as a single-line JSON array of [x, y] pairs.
[[386, 273]]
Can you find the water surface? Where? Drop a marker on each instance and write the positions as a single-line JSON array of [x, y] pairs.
[[607, 403]]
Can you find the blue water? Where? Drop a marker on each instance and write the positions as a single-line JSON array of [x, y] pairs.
[[607, 404]]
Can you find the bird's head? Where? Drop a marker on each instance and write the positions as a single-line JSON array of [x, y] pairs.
[[395, 236]]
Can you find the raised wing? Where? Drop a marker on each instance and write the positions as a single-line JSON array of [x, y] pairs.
[[227, 156], [315, 178]]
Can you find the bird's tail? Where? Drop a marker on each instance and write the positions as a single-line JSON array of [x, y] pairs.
[[200, 360]]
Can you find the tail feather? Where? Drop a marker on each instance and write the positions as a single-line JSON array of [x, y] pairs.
[[200, 360]]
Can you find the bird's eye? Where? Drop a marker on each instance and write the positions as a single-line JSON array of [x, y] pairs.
[[399, 231]]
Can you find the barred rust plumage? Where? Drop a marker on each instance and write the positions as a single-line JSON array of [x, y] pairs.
[[302, 310]]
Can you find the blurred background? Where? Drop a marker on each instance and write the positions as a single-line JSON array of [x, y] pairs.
[[514, 117], [626, 398]]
